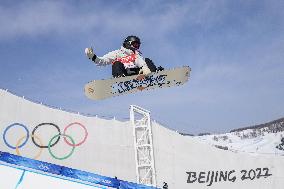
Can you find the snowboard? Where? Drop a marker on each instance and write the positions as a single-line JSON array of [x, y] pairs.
[[106, 88]]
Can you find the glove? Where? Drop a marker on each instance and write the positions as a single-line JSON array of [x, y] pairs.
[[145, 70], [90, 53], [160, 68]]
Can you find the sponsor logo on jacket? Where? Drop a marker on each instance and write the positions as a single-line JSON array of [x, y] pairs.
[[127, 59]]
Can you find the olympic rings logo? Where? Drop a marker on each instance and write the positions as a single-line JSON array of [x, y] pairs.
[[52, 142]]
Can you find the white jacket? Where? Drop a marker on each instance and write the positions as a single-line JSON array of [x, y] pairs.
[[124, 55]]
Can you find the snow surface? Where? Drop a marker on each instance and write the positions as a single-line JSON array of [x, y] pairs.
[[10, 180], [264, 143], [178, 159]]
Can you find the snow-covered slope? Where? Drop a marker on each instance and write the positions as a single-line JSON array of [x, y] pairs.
[[249, 140], [106, 147]]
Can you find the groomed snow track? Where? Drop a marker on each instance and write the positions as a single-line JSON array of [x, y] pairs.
[[106, 147]]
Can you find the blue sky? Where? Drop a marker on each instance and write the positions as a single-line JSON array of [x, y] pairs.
[[235, 50]]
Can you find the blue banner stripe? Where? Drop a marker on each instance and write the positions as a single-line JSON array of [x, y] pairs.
[[69, 172]]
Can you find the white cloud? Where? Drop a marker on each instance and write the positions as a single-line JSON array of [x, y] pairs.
[[34, 18]]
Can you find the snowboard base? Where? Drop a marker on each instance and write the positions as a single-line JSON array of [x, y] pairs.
[[101, 89]]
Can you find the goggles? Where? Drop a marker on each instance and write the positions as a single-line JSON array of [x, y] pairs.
[[135, 44]]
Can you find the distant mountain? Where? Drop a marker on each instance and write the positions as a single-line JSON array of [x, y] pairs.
[[273, 126], [267, 138]]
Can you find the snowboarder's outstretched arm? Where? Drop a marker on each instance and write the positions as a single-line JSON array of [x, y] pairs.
[[100, 61], [110, 57]]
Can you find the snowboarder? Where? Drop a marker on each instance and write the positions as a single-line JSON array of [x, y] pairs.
[[125, 61]]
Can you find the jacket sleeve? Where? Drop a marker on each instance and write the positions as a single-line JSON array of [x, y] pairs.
[[107, 59], [140, 62]]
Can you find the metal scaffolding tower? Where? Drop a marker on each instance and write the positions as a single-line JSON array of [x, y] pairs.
[[143, 143]]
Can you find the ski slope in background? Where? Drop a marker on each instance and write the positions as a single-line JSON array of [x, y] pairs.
[[263, 144]]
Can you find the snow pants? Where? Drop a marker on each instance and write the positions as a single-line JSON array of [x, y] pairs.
[[118, 69]]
